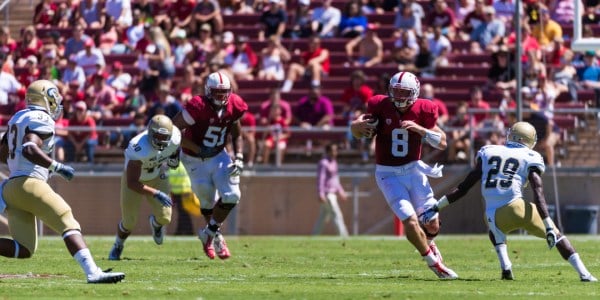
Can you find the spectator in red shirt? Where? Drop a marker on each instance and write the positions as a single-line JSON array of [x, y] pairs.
[[427, 92], [277, 137], [314, 64], [81, 142], [478, 103], [248, 122], [162, 10], [32, 72], [275, 100], [529, 44], [45, 14], [356, 95], [181, 14], [103, 99], [29, 44], [443, 16]]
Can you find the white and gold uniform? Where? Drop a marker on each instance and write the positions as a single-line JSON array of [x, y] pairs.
[[152, 174], [27, 193], [505, 169]]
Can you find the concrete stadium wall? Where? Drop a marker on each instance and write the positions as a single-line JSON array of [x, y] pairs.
[[288, 205]]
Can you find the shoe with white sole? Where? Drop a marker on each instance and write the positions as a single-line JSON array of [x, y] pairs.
[[589, 278], [105, 277], [207, 243], [442, 271], [158, 233], [221, 246]]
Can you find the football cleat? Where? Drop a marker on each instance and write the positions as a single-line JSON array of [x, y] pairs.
[[589, 278], [442, 271], [158, 233], [207, 243], [105, 277], [507, 275], [221, 246], [115, 252]]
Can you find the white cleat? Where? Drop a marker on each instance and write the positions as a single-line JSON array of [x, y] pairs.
[[221, 246], [589, 278], [105, 277], [436, 251], [442, 271]]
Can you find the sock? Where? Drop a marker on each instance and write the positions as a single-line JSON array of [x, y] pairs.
[[213, 225], [119, 241], [430, 242], [578, 265], [502, 253], [430, 258], [287, 86], [86, 261], [315, 83]]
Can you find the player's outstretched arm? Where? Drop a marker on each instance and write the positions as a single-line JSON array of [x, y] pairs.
[[540, 201], [458, 192], [4, 149]]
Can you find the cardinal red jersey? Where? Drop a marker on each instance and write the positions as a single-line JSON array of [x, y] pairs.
[[210, 129], [394, 145]]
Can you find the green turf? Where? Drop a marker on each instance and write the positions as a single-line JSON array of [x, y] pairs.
[[303, 268]]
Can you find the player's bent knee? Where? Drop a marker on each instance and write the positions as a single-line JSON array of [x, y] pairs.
[[232, 198]]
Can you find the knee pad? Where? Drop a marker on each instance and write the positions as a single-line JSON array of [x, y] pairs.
[[231, 198], [206, 211]]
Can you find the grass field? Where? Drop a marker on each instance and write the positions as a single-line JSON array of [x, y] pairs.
[[303, 268]]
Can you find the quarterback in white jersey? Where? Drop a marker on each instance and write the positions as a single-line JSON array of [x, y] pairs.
[[145, 176], [504, 171], [26, 147]]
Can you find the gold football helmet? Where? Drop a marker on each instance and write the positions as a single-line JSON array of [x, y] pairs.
[[160, 130], [522, 133], [45, 94]]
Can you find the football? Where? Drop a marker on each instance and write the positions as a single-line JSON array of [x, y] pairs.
[[371, 119]]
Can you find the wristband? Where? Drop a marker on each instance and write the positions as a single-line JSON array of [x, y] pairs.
[[53, 166], [548, 223], [433, 138], [443, 202]]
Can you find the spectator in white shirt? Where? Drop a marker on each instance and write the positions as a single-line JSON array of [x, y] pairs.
[[90, 58], [326, 19], [120, 11], [8, 82]]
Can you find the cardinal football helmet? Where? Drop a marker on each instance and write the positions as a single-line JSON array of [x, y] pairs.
[[45, 94], [404, 89], [522, 133], [160, 130], [218, 88]]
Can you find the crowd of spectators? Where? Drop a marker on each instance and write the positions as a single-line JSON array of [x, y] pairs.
[[126, 59]]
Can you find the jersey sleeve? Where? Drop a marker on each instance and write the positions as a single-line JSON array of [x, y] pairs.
[[194, 107], [135, 150], [240, 106], [41, 126], [481, 153], [536, 161], [374, 104]]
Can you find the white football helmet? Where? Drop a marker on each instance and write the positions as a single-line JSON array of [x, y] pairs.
[[160, 130], [404, 89], [45, 94], [522, 133], [218, 88]]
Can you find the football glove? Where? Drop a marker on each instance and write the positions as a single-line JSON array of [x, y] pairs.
[[237, 166], [163, 198], [551, 238], [429, 214], [67, 172]]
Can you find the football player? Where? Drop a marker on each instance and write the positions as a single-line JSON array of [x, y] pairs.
[[145, 178], [504, 170], [206, 122], [401, 122], [26, 147]]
